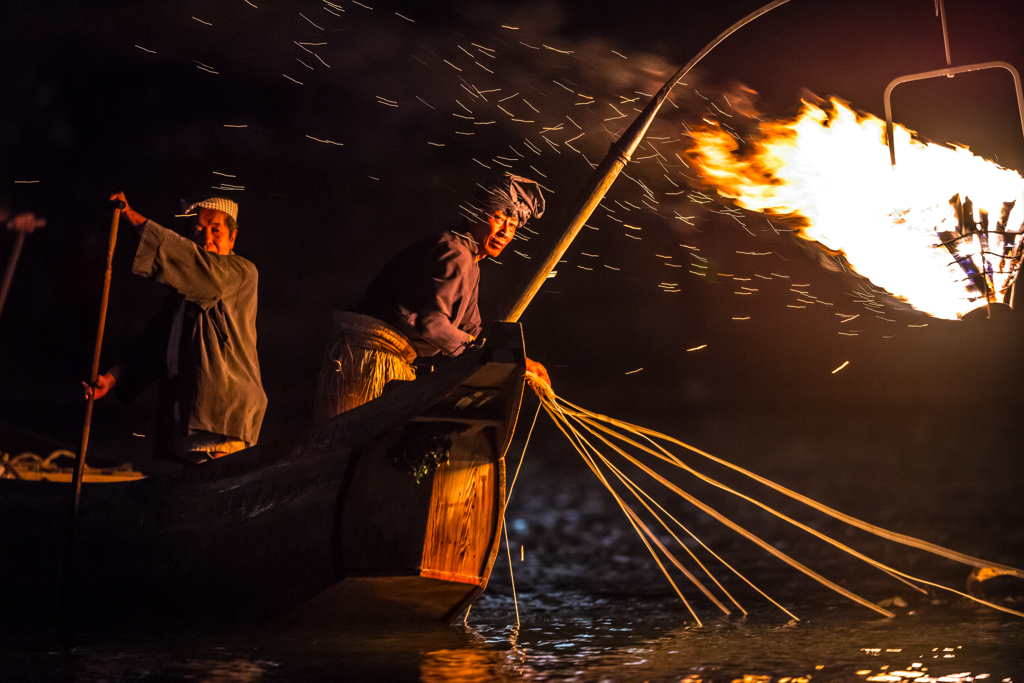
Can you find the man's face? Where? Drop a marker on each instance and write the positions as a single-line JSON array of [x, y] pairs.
[[212, 232], [494, 235]]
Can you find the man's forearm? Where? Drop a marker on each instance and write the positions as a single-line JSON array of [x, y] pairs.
[[135, 218], [438, 330]]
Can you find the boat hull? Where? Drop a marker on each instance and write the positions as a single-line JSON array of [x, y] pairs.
[[322, 522]]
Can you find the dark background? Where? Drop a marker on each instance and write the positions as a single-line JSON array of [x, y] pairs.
[[107, 96], [919, 433]]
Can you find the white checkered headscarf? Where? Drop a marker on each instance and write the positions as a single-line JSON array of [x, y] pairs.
[[228, 206]]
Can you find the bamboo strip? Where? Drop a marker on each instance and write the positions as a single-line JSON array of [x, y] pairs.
[[636, 491], [693, 579], [717, 557], [799, 525], [852, 521], [750, 536], [623, 506]]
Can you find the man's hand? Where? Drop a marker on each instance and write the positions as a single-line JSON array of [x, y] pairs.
[[541, 372], [103, 385], [135, 217]]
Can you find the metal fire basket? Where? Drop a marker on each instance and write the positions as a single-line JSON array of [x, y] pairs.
[[993, 246]]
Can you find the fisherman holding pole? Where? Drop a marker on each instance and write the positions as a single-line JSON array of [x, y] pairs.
[[201, 345], [424, 301]]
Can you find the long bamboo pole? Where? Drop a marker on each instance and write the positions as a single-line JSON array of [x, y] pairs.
[[70, 544], [562, 235]]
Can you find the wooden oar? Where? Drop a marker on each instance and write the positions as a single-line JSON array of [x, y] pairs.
[[76, 477], [22, 224]]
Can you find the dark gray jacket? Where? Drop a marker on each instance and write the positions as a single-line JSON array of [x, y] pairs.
[[218, 388], [429, 293]]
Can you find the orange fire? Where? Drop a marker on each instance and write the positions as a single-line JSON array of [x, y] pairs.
[[940, 230]]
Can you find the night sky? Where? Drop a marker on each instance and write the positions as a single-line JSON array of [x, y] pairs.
[[356, 128]]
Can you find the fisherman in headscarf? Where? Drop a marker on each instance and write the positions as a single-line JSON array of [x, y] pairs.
[[424, 301], [202, 343]]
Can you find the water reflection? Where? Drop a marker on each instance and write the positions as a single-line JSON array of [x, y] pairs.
[[624, 639], [234, 671], [462, 666], [648, 643]]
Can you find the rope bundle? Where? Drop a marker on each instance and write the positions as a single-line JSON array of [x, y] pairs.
[[35, 468], [598, 438]]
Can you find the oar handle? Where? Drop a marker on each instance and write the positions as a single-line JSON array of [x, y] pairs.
[[119, 206], [95, 373]]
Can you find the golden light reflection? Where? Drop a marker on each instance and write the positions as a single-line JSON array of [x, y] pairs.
[[461, 666], [940, 230]]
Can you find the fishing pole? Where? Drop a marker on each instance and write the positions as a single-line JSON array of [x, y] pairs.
[[76, 477], [601, 180]]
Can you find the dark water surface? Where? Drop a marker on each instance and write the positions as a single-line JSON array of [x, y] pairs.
[[588, 639], [594, 607]]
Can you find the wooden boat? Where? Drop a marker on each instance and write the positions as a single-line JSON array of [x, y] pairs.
[[324, 522], [324, 518]]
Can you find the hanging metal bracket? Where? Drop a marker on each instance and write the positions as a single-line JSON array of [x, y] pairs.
[[950, 72]]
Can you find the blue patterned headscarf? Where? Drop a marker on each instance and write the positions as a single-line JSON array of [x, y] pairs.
[[513, 194]]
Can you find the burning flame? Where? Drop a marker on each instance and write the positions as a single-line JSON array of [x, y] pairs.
[[939, 230]]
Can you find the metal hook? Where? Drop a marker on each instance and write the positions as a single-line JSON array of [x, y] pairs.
[[940, 10]]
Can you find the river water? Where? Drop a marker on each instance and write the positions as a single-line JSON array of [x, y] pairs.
[[592, 605]]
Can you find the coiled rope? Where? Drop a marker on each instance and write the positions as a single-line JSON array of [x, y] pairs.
[[34, 467]]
